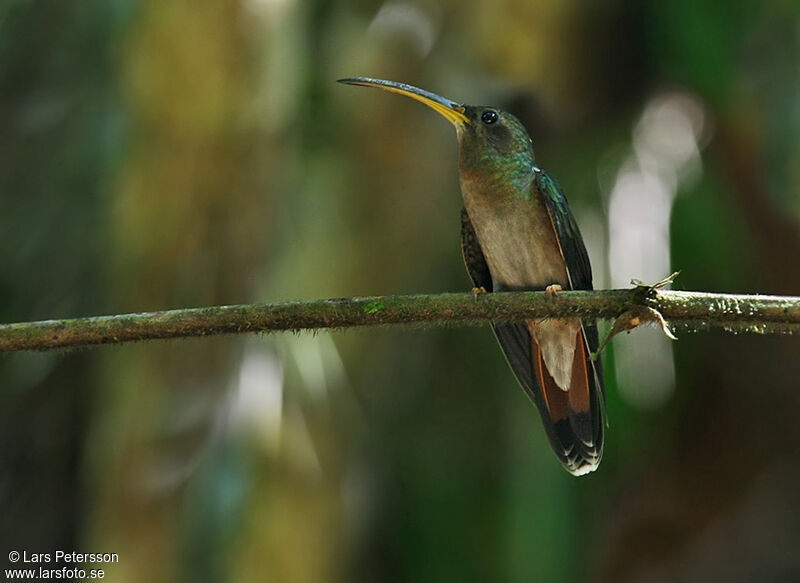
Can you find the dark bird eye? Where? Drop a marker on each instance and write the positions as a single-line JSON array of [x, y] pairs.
[[489, 117]]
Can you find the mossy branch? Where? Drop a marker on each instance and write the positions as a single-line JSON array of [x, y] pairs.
[[685, 311]]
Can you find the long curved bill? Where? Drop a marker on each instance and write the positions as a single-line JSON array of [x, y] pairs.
[[452, 111]]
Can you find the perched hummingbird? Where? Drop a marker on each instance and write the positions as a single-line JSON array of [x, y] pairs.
[[517, 233]]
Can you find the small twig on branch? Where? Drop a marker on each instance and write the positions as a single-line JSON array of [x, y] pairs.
[[685, 311], [639, 314]]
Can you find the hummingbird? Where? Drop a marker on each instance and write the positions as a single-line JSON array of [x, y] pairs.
[[517, 233]]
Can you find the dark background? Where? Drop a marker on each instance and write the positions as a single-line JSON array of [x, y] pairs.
[[160, 155]]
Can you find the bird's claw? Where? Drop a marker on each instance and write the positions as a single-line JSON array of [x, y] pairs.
[[552, 290], [476, 291]]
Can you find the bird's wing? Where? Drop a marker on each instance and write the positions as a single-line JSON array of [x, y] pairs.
[[568, 234], [525, 359], [573, 250], [576, 259], [476, 264]]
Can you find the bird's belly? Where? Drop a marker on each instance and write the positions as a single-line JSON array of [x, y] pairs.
[[519, 244], [522, 252], [521, 249]]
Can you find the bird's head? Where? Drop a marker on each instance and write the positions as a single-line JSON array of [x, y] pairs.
[[493, 144]]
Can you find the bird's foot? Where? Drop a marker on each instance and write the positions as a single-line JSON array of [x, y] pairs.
[[552, 290], [476, 291]]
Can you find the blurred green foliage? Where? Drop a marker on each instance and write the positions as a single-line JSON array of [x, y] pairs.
[[157, 155]]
